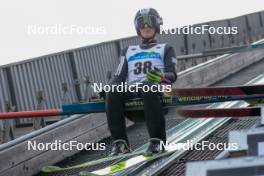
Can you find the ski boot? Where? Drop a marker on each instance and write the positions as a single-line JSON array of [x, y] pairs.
[[120, 146], [154, 147]]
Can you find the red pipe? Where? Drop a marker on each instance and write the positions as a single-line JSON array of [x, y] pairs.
[[30, 114]]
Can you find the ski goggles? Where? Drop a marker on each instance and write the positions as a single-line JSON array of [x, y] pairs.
[[149, 20]]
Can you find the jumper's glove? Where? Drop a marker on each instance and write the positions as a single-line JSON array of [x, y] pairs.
[[156, 76]]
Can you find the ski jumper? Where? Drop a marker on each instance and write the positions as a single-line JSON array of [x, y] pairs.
[[134, 65]]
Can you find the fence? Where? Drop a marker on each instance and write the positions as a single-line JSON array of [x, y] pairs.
[[64, 72]]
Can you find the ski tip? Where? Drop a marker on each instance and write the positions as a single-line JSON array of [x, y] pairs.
[[49, 169], [86, 173]]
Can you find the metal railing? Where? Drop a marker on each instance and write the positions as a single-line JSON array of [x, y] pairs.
[[199, 131]]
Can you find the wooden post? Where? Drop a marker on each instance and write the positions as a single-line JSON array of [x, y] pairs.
[[39, 122]]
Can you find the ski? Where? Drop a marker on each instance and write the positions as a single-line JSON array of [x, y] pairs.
[[218, 91], [76, 168], [232, 112], [130, 105], [170, 102], [126, 164], [143, 165], [121, 163]]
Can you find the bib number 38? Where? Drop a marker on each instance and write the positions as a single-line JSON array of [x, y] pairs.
[[142, 67]]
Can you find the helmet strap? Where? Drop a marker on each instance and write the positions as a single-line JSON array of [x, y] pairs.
[[147, 40]]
